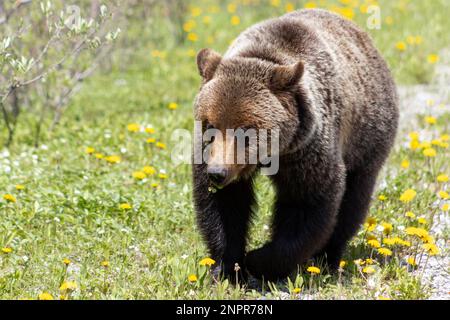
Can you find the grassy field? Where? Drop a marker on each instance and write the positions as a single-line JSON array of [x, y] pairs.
[[79, 222]]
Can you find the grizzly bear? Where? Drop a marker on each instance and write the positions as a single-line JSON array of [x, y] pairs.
[[318, 78]]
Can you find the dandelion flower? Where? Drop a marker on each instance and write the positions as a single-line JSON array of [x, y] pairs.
[[431, 249], [161, 145], [45, 296], [189, 25], [192, 278], [149, 170], [342, 264], [150, 130], [139, 175], [289, 7], [410, 214], [411, 261], [7, 250], [133, 127], [20, 187], [162, 176], [231, 8], [442, 178], [430, 120], [235, 20], [296, 290], [408, 196], [68, 285], [113, 159], [313, 270], [422, 220], [405, 164], [125, 206], [173, 106], [275, 3], [89, 150], [385, 251], [443, 195], [99, 156], [207, 262], [401, 46], [429, 152], [104, 263], [374, 243], [382, 197], [154, 185], [193, 37], [433, 58], [196, 11], [387, 227], [10, 198], [66, 261], [368, 270], [445, 207], [389, 241], [151, 140]]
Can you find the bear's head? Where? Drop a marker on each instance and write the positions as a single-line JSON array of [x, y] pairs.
[[249, 96]]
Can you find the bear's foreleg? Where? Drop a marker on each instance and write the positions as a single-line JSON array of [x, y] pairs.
[[301, 227], [223, 218]]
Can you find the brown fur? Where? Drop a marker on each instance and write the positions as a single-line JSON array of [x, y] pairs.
[[318, 78]]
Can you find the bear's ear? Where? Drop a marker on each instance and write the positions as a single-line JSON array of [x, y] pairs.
[[207, 62], [284, 77]]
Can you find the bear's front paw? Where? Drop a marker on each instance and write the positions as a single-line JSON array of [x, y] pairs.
[[266, 263]]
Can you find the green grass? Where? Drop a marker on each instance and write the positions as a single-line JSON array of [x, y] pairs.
[[70, 205]]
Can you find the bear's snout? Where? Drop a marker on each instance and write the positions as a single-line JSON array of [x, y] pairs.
[[217, 175]]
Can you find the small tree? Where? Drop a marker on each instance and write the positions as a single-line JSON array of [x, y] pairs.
[[46, 52]]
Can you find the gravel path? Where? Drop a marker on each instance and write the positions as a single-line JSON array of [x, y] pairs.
[[413, 101]]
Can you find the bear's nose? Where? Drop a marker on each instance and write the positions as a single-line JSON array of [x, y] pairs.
[[217, 175]]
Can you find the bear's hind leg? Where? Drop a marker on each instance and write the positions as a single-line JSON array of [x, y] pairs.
[[352, 213]]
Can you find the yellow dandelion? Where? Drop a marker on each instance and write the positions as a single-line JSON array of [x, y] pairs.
[[113, 159], [313, 270], [430, 120], [445, 137], [422, 220], [231, 8], [389, 241], [374, 243], [151, 140], [408, 195], [385, 251], [411, 261], [431, 249], [193, 37], [410, 214], [68, 286], [161, 145], [387, 227], [89, 150], [433, 58], [45, 296], [99, 156], [133, 127], [429, 152], [173, 106], [189, 25], [275, 3], [445, 207], [443, 195], [162, 176], [125, 206], [66, 261], [414, 144], [192, 278], [414, 135], [7, 250], [342, 264], [296, 290], [150, 130], [207, 20], [235, 20], [382, 197], [10, 198], [368, 270], [207, 262], [369, 261], [20, 187], [289, 7], [104, 263], [400, 46], [405, 164], [139, 175], [154, 185], [149, 170], [383, 298], [310, 5], [196, 11]]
